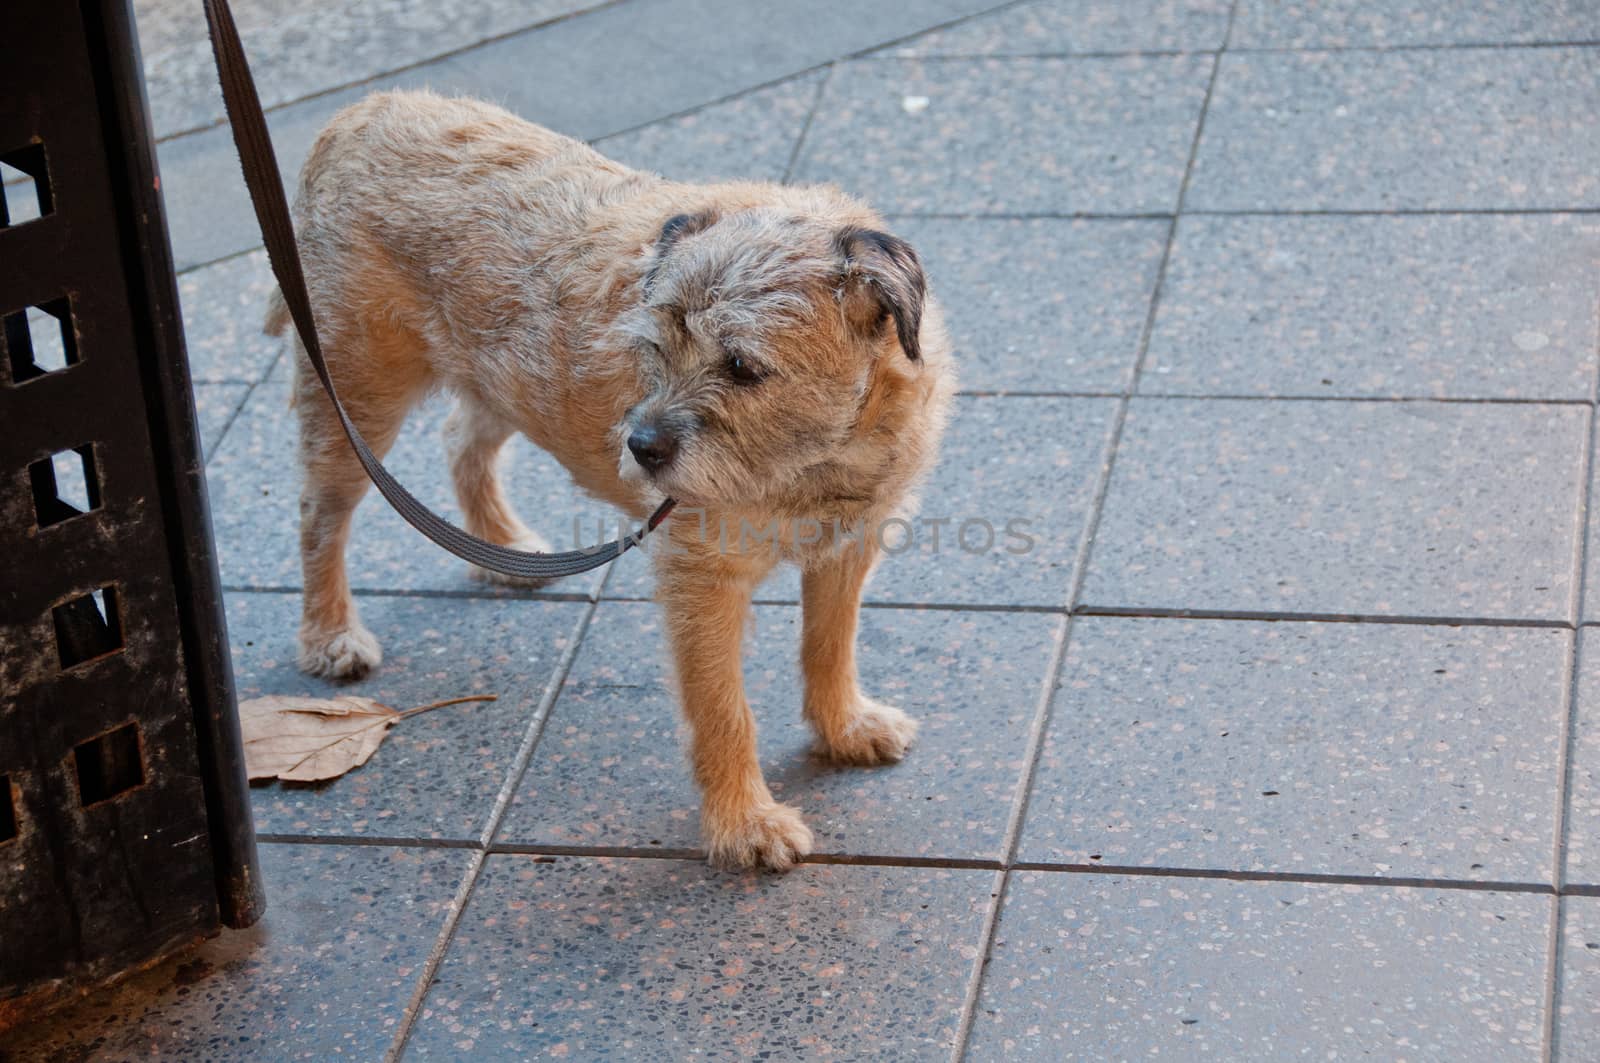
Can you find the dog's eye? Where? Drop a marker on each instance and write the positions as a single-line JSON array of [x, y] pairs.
[[743, 370]]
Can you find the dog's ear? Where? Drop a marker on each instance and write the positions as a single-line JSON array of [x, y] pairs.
[[674, 229], [883, 281]]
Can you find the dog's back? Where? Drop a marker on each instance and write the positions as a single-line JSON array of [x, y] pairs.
[[447, 217], [444, 143]]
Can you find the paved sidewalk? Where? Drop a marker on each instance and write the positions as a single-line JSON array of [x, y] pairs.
[[1278, 319]]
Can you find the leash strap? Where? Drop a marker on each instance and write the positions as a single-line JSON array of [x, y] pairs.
[[272, 212]]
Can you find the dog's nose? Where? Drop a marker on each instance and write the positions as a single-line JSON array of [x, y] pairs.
[[652, 447]]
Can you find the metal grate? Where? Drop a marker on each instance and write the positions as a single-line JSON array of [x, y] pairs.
[[123, 809]]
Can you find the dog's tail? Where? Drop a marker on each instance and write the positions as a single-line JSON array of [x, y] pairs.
[[277, 321]]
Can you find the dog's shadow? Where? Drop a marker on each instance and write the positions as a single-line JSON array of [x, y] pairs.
[[801, 769]]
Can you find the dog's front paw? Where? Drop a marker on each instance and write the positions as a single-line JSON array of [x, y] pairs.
[[347, 653], [766, 835], [874, 734], [530, 543]]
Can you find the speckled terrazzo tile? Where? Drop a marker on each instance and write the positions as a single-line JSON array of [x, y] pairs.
[[1099, 967], [1023, 459], [609, 769], [209, 216], [1032, 461], [437, 773], [1357, 23], [1578, 995], [300, 49], [1479, 128], [21, 199], [223, 306], [1583, 791], [254, 479], [1391, 509], [326, 974], [214, 404], [1350, 749], [603, 71], [1065, 27], [662, 959], [1459, 306], [1043, 304], [750, 137], [1009, 135]]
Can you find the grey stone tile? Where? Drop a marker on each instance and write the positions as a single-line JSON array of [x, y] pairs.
[[1009, 135], [1023, 466], [224, 305], [21, 199], [614, 68], [659, 959], [1354, 23], [1583, 791], [1067, 27], [299, 49], [255, 489], [1454, 306], [214, 404], [621, 66], [1391, 509], [1096, 967], [1041, 304], [209, 215], [436, 774], [751, 137], [1031, 461], [1578, 996], [1491, 129], [610, 771], [1349, 749], [326, 973]]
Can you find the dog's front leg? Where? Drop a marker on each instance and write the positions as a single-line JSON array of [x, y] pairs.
[[707, 602], [850, 726]]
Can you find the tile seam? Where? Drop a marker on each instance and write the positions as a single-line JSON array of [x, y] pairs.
[[798, 147], [533, 28], [1566, 754], [1080, 574], [405, 68], [446, 938]]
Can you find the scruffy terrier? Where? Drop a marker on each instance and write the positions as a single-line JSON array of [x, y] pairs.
[[765, 354]]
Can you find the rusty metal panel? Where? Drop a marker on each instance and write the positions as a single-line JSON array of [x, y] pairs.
[[124, 815]]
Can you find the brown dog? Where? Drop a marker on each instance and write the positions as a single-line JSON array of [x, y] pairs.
[[762, 353]]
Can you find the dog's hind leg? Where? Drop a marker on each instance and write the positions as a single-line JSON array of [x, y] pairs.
[[378, 386], [474, 438]]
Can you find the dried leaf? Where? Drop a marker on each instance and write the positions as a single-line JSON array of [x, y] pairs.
[[301, 739], [311, 739]]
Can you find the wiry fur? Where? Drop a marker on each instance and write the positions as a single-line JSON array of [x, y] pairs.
[[449, 244]]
